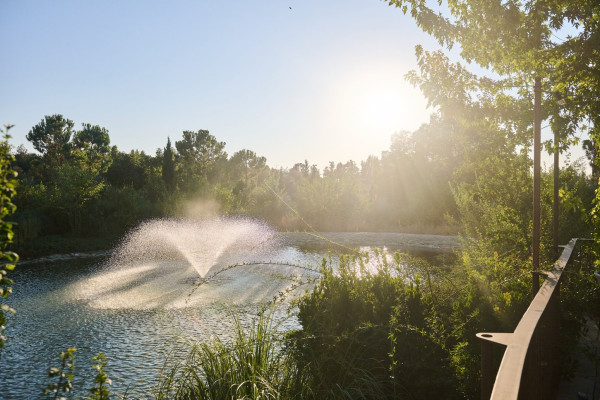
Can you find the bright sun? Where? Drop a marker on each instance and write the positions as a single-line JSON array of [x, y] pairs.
[[379, 103], [381, 110], [366, 106]]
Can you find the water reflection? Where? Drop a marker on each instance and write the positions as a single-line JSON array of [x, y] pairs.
[[140, 311], [137, 315]]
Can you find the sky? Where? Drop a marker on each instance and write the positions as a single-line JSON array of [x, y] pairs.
[[321, 80]]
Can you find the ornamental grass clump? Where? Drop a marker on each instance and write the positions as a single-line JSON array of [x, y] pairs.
[[253, 365]]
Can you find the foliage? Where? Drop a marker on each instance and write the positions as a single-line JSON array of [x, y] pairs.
[[252, 366], [91, 146], [100, 390], [376, 326], [370, 330], [577, 192], [64, 374], [383, 326], [97, 190], [61, 183], [513, 42], [168, 167], [580, 293], [520, 40], [198, 153], [70, 191], [494, 206], [8, 259], [51, 137], [63, 377]]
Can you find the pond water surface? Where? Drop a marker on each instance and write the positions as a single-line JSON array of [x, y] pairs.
[[141, 310]]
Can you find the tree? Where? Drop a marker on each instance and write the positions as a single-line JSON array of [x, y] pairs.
[[52, 138], [201, 148], [127, 169], [70, 172], [168, 166], [246, 163], [517, 41], [198, 154], [92, 146], [70, 191], [591, 153]]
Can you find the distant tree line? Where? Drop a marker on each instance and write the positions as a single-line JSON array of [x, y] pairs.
[[434, 179], [78, 184]]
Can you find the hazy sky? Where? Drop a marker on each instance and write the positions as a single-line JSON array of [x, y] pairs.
[[322, 80]]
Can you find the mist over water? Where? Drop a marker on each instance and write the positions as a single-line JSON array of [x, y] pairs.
[[175, 263], [170, 282], [202, 243]]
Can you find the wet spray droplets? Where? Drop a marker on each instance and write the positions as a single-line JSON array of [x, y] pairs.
[[160, 261], [204, 244]]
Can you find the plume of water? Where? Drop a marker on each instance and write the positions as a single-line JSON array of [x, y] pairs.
[[204, 244], [156, 262]]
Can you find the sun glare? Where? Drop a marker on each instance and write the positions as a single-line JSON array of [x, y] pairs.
[[365, 106], [381, 111], [375, 102]]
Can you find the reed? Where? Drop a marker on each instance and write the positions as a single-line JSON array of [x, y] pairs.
[[254, 364]]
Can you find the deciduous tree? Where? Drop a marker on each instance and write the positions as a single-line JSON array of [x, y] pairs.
[[92, 145], [197, 152]]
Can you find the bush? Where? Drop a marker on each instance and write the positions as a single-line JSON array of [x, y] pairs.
[[370, 331]]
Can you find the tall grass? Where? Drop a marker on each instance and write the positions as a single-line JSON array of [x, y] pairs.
[[253, 365]]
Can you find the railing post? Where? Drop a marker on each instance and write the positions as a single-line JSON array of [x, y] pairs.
[[529, 365], [537, 89], [488, 375], [535, 283]]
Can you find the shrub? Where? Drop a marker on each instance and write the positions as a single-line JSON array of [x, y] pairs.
[[370, 331]]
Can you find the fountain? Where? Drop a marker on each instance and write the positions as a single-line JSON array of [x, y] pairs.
[[166, 284], [175, 263], [203, 244]]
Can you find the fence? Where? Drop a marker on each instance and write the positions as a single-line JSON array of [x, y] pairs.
[[529, 368]]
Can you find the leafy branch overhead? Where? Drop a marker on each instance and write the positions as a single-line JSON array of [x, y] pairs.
[[516, 41]]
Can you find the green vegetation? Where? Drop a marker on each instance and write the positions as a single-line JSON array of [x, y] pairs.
[[376, 331], [389, 326], [252, 366], [8, 259], [63, 375], [378, 326], [101, 381], [446, 177], [399, 327], [80, 187]]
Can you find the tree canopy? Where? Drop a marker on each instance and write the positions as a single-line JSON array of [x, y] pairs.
[[52, 138], [558, 41]]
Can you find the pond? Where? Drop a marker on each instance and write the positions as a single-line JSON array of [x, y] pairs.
[[170, 283]]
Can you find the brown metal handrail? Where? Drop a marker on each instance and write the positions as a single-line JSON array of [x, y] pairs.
[[528, 369]]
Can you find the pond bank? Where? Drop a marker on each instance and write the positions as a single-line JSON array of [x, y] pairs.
[[57, 245], [52, 245], [411, 242]]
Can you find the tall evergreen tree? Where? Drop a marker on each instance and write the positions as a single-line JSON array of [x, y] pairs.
[[52, 138], [168, 166]]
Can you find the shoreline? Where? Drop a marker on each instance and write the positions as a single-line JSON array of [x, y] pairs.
[[57, 247]]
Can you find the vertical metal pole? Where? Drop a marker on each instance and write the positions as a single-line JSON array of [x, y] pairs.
[[537, 127], [535, 283], [555, 203], [487, 369]]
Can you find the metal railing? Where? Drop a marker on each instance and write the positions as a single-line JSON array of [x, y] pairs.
[[529, 368]]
